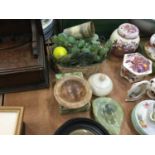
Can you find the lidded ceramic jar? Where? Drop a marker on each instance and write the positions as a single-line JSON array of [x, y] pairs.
[[125, 39], [135, 67], [149, 48]]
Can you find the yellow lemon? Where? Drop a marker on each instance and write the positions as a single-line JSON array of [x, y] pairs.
[[59, 52]]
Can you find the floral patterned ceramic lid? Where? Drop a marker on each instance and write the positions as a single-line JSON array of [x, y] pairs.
[[128, 31], [143, 117], [137, 64]]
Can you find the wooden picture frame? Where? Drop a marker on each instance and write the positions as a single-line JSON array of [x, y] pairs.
[[14, 114]]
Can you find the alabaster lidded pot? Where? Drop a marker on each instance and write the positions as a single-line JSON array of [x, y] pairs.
[[100, 84], [125, 39]]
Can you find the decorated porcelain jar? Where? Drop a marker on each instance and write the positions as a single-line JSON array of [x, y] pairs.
[[149, 48], [135, 67], [125, 39]]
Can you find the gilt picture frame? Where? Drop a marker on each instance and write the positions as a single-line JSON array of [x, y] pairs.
[[11, 120]]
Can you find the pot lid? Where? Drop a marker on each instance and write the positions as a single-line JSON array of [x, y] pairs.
[[72, 92], [137, 64], [143, 117], [137, 90], [128, 31], [100, 80], [109, 113], [81, 126]]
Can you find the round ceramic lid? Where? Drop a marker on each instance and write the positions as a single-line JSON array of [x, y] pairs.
[[142, 117], [100, 80], [137, 64], [128, 31]]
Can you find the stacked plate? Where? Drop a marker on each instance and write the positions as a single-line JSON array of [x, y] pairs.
[[143, 117], [47, 26]]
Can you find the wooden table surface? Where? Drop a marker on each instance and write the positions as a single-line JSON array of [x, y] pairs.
[[1, 98], [41, 109]]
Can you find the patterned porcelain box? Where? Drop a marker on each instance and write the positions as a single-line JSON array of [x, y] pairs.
[[135, 67]]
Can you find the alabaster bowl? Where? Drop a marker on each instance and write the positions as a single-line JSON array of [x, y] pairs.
[[72, 92]]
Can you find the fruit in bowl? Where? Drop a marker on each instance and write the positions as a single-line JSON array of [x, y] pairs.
[[80, 52], [59, 52]]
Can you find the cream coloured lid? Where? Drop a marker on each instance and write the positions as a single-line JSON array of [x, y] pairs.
[[128, 31]]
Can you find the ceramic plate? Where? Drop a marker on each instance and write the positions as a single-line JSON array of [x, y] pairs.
[[48, 35], [46, 22], [141, 117], [49, 28], [136, 126]]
